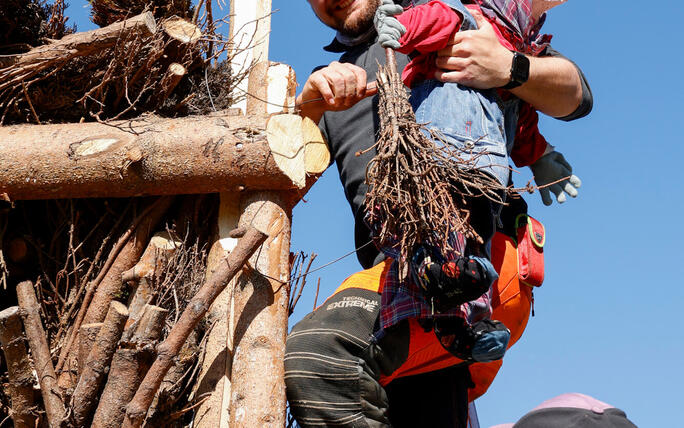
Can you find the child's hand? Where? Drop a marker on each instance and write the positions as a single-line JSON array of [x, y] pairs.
[[388, 27], [550, 168]]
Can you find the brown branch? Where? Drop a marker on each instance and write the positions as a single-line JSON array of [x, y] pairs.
[[193, 314], [129, 365], [48, 56], [171, 78], [19, 370], [40, 351], [97, 364], [108, 284]]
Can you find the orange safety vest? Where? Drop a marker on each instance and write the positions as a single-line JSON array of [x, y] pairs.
[[511, 304]]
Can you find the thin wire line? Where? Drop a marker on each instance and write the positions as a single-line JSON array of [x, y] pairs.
[[206, 81], [318, 268], [293, 107]]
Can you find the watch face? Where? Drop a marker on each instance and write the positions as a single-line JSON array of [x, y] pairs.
[[520, 71]]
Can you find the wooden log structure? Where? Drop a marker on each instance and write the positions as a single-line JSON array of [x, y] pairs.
[[19, 368], [192, 315], [154, 156], [262, 161], [129, 366]]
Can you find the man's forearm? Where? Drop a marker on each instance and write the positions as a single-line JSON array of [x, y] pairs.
[[554, 86]]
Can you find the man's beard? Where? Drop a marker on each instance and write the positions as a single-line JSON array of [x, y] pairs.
[[360, 22]]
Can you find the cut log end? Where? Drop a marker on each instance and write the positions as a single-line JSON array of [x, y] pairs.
[[150, 25], [298, 147], [181, 30]]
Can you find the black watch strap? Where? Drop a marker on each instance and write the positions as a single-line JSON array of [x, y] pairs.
[[520, 71]]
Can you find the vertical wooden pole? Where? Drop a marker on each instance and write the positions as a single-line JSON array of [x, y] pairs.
[[260, 319], [249, 29], [214, 378]]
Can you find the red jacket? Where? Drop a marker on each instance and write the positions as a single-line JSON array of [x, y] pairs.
[[429, 28]]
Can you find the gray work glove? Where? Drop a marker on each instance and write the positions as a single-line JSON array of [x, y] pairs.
[[553, 167], [388, 27]]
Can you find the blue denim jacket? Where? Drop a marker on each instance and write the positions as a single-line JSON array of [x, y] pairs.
[[471, 120]]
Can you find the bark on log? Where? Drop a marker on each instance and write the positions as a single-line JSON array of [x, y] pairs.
[[150, 156], [161, 248], [19, 369], [150, 326], [86, 338], [260, 318], [127, 371], [192, 315], [172, 387], [171, 78], [110, 286], [129, 367], [97, 364], [40, 351], [74, 45]]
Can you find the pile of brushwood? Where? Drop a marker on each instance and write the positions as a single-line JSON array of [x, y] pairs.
[[161, 60], [88, 287]]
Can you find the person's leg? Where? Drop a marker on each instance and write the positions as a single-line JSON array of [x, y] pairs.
[[436, 399], [328, 381]]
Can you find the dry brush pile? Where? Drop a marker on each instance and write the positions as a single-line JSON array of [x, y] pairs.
[[163, 61], [89, 288]]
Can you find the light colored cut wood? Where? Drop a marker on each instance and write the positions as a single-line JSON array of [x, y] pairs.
[[181, 30]]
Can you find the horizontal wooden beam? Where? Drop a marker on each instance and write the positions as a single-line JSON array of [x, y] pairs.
[[223, 152]]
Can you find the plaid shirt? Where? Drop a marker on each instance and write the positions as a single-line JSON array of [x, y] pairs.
[[404, 299], [514, 18]]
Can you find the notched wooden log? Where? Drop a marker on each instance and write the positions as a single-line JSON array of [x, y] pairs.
[[172, 156]]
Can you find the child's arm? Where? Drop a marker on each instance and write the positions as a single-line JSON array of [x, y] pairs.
[[548, 166], [529, 144], [426, 27]]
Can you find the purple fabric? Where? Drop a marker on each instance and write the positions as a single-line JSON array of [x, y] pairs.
[[576, 400], [573, 400]]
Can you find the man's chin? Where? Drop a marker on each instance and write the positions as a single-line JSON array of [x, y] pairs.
[[360, 21]]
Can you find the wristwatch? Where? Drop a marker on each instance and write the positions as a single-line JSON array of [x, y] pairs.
[[520, 71]]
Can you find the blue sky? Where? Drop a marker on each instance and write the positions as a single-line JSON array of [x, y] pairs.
[[607, 317]]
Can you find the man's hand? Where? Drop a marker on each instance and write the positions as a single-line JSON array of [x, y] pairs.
[[475, 58], [333, 88], [550, 168]]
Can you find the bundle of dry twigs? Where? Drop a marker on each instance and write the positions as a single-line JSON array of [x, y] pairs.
[[418, 185]]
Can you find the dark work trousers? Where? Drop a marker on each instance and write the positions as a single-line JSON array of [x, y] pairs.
[[333, 368]]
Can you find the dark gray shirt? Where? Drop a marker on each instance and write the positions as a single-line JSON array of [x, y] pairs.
[[355, 129]]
